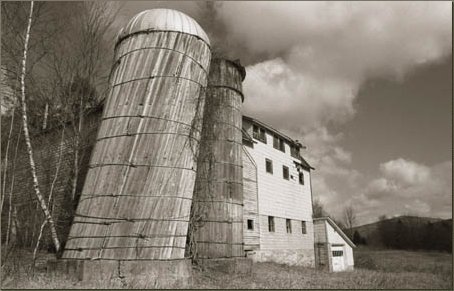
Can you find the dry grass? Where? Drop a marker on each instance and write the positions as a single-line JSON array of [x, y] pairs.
[[392, 270], [374, 270]]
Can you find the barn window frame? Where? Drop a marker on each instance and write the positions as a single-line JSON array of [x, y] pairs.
[[259, 133], [278, 143], [294, 152], [301, 177], [338, 253], [271, 225], [250, 224], [282, 145], [269, 166], [285, 173], [303, 227], [288, 225], [275, 142]]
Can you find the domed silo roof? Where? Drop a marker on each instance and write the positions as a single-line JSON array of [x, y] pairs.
[[164, 20]]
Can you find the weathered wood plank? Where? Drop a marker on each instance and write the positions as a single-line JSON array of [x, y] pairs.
[[218, 193]]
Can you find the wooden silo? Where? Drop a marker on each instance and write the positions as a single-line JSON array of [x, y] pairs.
[[217, 213], [136, 200]]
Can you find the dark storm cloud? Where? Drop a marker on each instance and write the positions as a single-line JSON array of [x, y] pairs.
[[319, 53]]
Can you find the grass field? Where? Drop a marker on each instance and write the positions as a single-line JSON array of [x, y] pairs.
[[374, 269]]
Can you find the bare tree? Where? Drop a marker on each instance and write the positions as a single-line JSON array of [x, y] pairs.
[[349, 219], [80, 71], [23, 100], [318, 210], [67, 64]]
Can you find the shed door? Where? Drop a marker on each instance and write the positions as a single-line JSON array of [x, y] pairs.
[[337, 258]]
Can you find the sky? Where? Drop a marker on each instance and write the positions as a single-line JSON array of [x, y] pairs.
[[366, 86]]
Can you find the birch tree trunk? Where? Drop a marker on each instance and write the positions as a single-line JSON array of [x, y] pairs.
[[39, 196], [62, 141], [46, 112]]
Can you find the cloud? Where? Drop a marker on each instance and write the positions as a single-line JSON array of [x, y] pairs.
[[406, 187], [405, 172], [316, 55], [295, 100], [380, 185]]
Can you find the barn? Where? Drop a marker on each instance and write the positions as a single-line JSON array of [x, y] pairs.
[[333, 248], [277, 197]]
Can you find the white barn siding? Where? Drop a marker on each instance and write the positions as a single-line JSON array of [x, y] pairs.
[[334, 238], [280, 239], [251, 237], [282, 199]]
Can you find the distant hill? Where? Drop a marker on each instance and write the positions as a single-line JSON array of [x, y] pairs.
[[407, 232]]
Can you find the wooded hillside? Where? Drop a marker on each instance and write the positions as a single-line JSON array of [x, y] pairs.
[[407, 232]]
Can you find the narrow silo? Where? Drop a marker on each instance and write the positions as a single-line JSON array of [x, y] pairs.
[[136, 200], [217, 213]]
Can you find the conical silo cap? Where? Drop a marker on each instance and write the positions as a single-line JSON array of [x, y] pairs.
[[162, 19]]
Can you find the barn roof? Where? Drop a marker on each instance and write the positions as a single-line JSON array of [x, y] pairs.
[[163, 19], [337, 228], [275, 131]]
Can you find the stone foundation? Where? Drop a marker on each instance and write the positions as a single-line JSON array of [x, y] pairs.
[[227, 265], [305, 258], [137, 274]]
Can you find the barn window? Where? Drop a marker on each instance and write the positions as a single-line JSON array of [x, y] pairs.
[[294, 152], [285, 173], [278, 143], [269, 166], [259, 133], [288, 224], [338, 253], [275, 142], [301, 178], [255, 131], [271, 223], [250, 224], [303, 227], [281, 145]]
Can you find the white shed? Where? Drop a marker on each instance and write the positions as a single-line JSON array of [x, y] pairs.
[[333, 248]]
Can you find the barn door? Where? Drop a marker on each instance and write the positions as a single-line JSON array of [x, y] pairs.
[[337, 258]]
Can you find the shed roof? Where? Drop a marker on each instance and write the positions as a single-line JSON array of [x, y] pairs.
[[337, 228], [163, 19]]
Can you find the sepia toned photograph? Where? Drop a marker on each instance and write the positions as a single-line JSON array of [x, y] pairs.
[[226, 145]]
